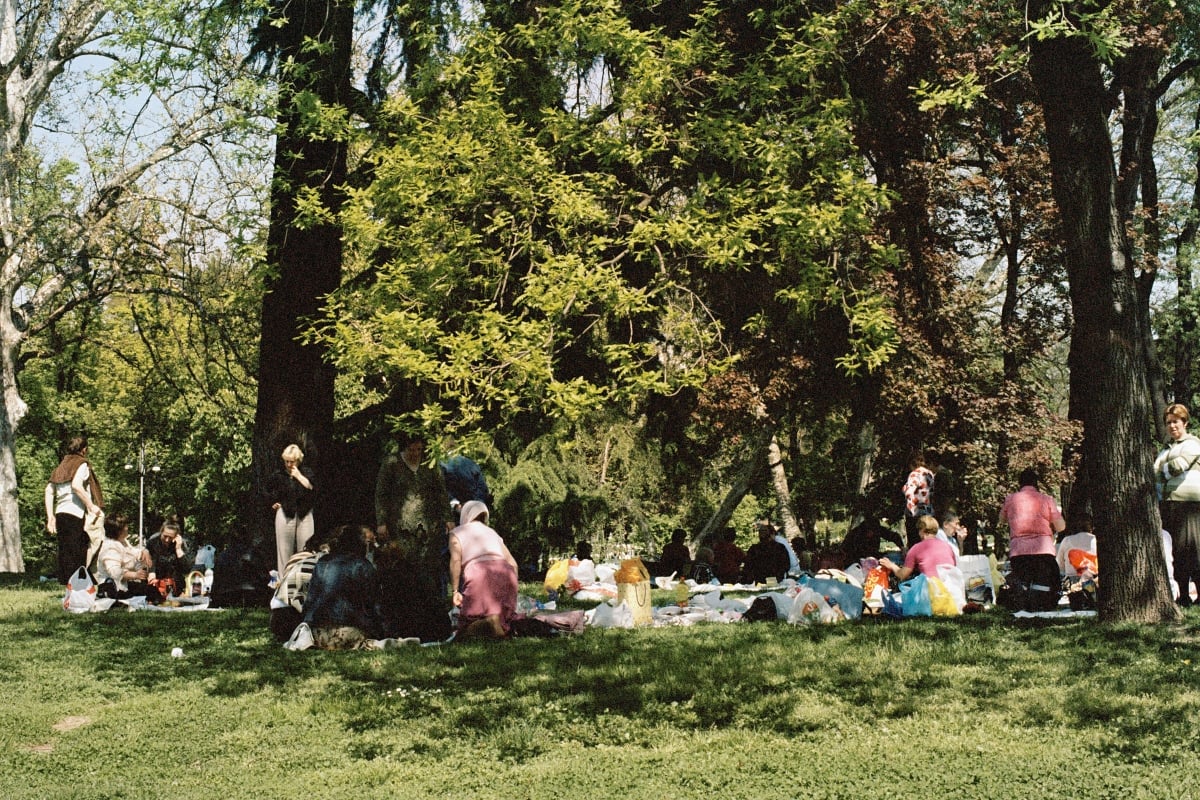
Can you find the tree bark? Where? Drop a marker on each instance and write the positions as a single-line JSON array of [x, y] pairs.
[[1113, 392], [295, 384], [746, 474], [779, 482]]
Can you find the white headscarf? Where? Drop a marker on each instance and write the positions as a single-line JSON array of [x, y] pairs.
[[471, 510]]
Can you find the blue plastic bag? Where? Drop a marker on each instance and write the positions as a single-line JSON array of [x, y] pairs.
[[914, 597], [847, 596]]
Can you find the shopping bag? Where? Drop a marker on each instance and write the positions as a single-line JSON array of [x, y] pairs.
[[914, 597], [953, 579], [637, 597], [875, 585], [845, 596], [978, 586], [941, 601], [81, 592], [556, 576], [810, 607]]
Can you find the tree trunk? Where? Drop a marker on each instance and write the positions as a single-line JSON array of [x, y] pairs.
[[295, 384], [868, 444], [1113, 392], [12, 409], [746, 474], [779, 482]]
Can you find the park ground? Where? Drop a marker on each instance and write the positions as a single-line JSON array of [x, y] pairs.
[[983, 706]]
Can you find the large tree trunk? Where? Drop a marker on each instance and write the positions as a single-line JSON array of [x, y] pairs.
[[1113, 392], [12, 409], [295, 384]]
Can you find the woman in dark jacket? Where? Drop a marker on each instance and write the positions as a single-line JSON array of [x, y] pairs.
[[291, 491], [342, 604]]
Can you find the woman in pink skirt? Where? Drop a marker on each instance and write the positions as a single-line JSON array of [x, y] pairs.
[[483, 574]]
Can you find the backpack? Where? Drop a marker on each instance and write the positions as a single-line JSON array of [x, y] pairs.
[[763, 608]]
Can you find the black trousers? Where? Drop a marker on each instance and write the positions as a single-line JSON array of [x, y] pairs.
[[72, 545]]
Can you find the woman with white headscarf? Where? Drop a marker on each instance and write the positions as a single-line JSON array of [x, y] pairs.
[[483, 574]]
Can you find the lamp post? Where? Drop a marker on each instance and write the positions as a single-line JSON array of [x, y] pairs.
[[142, 469]]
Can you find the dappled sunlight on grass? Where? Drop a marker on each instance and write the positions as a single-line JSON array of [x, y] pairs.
[[739, 710]]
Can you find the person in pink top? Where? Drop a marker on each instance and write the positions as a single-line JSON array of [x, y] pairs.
[[1033, 518], [926, 555], [483, 574]]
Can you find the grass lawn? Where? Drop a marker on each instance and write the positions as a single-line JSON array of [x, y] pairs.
[[976, 707]]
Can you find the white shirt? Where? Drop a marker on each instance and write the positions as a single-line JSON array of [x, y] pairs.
[[65, 499]]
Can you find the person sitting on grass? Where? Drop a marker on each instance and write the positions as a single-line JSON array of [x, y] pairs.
[[483, 574], [727, 556], [124, 570], [926, 555], [169, 556], [341, 606], [675, 555], [766, 559]]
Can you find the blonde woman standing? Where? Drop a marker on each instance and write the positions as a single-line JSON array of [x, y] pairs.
[[291, 493]]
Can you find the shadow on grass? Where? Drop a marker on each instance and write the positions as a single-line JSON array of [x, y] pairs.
[[1125, 679]]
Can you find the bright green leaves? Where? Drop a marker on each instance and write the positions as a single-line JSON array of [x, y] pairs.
[[1099, 24], [579, 261]]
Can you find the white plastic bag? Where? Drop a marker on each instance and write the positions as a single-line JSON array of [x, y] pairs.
[[978, 584], [206, 558], [809, 607], [953, 578], [81, 592], [301, 638], [584, 572]]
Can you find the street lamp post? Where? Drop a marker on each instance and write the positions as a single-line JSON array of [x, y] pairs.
[[142, 469]]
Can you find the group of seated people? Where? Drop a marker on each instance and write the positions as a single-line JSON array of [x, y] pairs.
[[772, 557], [354, 593], [155, 571]]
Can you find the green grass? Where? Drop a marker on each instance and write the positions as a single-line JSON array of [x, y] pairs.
[[976, 707]]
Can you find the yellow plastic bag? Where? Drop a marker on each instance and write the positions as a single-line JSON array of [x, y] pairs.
[[941, 600], [556, 576]]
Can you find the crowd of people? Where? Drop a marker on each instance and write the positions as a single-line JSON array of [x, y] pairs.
[[432, 547]]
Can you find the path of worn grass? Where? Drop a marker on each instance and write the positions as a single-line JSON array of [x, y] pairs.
[[979, 707]]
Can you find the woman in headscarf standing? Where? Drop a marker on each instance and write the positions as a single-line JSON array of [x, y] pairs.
[[483, 574], [73, 492]]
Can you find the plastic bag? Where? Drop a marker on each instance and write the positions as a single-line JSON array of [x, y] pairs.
[[581, 572], [81, 592], [978, 586], [206, 558], [810, 607], [845, 596], [952, 577], [876, 584], [556, 576], [914, 597], [609, 616], [941, 601]]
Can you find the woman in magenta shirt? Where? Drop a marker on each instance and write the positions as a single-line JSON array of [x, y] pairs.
[[1033, 518], [926, 555]]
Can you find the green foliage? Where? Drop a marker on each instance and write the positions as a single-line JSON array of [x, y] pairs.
[[584, 262], [740, 711]]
